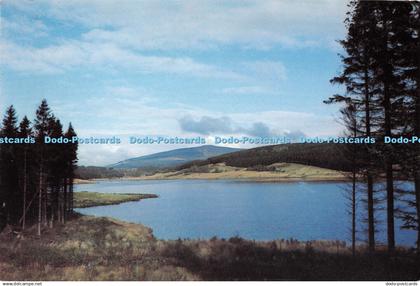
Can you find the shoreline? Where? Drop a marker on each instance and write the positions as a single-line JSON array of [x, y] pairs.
[[278, 172], [107, 249], [239, 179], [249, 179], [82, 181], [101, 248], [95, 199]]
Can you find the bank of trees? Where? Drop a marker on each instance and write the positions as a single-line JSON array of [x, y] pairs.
[[36, 179], [381, 76], [324, 155], [93, 172]]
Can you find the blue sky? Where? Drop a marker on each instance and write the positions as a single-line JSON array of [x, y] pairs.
[[173, 68]]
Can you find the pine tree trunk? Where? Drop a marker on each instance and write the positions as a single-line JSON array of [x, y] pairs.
[[353, 214], [390, 206], [371, 209], [417, 150], [40, 200], [56, 204], [417, 190], [371, 217], [71, 195], [387, 78], [44, 208], [65, 203], [61, 206], [51, 223], [24, 190], [388, 169]]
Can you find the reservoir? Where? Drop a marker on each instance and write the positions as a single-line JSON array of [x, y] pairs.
[[252, 210]]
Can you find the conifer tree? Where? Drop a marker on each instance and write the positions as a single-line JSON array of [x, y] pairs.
[[407, 31], [35, 177], [24, 156], [9, 166], [356, 76], [55, 167], [352, 153], [71, 164], [381, 78], [43, 117]]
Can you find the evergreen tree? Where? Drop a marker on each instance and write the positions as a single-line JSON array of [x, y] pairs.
[[35, 177], [42, 120], [10, 191], [56, 169], [407, 35], [381, 78], [24, 156], [352, 153], [414, 54], [392, 92], [360, 91], [71, 165]]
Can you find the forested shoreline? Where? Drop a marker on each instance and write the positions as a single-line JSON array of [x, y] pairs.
[[36, 179], [381, 98], [381, 76]]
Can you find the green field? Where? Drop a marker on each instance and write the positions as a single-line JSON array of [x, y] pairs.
[[273, 172], [91, 199]]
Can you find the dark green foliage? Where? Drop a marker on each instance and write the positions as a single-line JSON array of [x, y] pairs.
[[381, 76], [92, 172], [9, 192], [35, 177], [321, 155], [360, 117]]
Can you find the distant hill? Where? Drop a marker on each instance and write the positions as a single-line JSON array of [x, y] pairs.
[[173, 158], [326, 155]]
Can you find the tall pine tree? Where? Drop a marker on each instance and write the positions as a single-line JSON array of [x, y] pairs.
[[10, 193]]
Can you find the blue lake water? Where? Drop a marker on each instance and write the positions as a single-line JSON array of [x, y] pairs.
[[253, 210]]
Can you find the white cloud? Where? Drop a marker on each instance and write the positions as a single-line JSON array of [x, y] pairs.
[[148, 37], [241, 90], [266, 70], [134, 117], [120, 34], [71, 54], [140, 94], [198, 24], [21, 27], [267, 76]]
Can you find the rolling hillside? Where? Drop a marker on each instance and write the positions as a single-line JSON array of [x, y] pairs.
[[328, 156], [173, 158], [197, 159]]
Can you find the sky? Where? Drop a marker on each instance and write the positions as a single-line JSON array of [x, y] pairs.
[[173, 68]]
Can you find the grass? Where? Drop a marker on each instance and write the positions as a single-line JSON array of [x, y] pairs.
[[274, 172], [91, 199], [89, 248], [82, 181]]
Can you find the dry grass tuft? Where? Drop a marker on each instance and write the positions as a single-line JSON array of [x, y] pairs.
[[89, 248]]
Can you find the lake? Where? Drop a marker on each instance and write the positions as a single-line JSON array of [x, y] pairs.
[[252, 210]]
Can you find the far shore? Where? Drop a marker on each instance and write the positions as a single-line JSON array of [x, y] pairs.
[[93, 199], [261, 179], [279, 172], [83, 181]]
